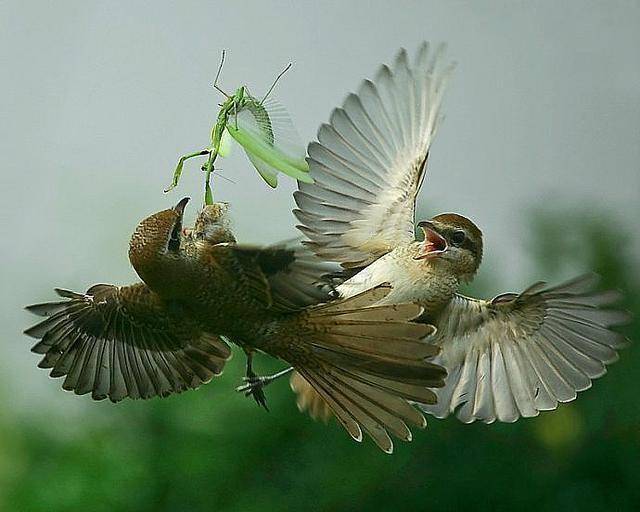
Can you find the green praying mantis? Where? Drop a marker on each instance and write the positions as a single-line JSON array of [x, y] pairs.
[[264, 131]]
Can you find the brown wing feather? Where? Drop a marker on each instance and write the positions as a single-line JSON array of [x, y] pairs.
[[283, 277], [117, 342]]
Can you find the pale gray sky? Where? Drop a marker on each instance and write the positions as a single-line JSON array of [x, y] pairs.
[[98, 100]]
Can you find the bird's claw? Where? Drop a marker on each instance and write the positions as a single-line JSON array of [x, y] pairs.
[[254, 386]]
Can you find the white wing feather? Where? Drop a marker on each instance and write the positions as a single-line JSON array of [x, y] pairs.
[[369, 162], [520, 354]]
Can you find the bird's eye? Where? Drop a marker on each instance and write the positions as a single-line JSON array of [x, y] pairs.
[[458, 238]]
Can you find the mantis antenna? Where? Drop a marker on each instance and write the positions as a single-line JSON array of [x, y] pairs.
[[217, 172], [275, 82], [215, 82]]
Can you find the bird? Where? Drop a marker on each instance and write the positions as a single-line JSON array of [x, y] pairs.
[[200, 290], [506, 358]]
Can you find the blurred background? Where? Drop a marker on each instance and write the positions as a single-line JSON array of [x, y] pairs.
[[541, 147]]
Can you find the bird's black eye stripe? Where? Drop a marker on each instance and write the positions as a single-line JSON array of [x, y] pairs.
[[458, 237], [174, 241]]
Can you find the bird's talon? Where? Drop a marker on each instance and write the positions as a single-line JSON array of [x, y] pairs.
[[254, 387]]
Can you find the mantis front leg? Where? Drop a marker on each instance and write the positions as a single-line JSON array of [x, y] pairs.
[[216, 139], [178, 172], [208, 193], [235, 114], [208, 169]]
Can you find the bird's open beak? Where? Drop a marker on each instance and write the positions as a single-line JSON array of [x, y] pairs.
[[434, 244], [179, 208]]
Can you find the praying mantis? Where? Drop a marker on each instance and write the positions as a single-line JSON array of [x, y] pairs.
[[264, 131]]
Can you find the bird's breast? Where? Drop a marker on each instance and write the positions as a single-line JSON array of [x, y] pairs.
[[412, 280]]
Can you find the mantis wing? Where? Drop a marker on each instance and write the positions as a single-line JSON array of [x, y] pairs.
[[266, 133], [265, 170]]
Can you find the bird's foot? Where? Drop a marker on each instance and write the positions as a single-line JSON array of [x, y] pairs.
[[254, 386]]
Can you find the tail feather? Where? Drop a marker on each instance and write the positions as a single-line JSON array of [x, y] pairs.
[[408, 391], [371, 407], [418, 372], [363, 413], [366, 362], [390, 402], [339, 409], [347, 341], [390, 313]]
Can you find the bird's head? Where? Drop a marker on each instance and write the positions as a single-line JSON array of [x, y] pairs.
[[454, 239], [157, 238]]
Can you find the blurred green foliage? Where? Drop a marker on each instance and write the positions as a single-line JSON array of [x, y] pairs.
[[214, 450]]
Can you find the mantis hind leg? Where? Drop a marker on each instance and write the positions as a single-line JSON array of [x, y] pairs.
[[178, 172]]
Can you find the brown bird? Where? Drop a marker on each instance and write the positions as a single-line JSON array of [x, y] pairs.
[[512, 356], [199, 288]]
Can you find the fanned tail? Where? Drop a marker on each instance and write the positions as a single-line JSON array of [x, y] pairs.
[[366, 363]]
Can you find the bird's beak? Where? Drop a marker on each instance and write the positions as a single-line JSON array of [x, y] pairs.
[[176, 231], [434, 244], [179, 208]]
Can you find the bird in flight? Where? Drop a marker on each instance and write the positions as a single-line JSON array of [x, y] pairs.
[[199, 290], [509, 357]]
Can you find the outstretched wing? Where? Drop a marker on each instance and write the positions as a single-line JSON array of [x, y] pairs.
[[120, 342], [370, 160], [521, 354], [267, 135]]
